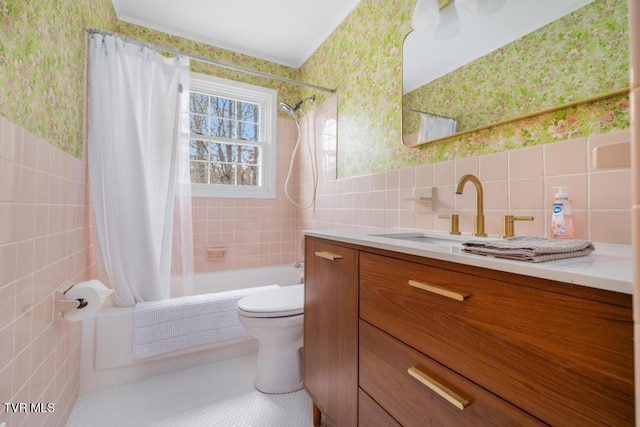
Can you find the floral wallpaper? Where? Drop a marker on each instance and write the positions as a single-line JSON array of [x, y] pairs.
[[576, 57], [42, 60], [362, 58]]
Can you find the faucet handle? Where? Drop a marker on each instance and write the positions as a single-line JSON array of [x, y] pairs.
[[508, 224], [455, 222]]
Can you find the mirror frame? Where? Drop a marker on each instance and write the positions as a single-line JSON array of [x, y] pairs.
[[518, 118]]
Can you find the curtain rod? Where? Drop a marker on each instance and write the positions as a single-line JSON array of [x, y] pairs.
[[426, 112], [210, 61]]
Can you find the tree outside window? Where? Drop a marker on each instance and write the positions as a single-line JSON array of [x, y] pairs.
[[219, 128]]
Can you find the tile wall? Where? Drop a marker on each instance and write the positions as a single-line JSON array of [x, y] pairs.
[[44, 246], [44, 231], [255, 232], [518, 182]]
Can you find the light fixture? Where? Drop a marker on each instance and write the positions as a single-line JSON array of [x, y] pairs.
[[449, 24], [441, 16], [426, 15]]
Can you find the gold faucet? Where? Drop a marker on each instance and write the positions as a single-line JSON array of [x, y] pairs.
[[507, 224], [478, 226], [455, 223]]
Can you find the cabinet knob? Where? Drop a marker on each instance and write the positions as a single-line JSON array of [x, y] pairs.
[[440, 389], [328, 255]]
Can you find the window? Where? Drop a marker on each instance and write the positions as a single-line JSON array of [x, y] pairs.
[[232, 138]]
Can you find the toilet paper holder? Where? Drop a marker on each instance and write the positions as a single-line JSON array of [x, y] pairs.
[[60, 305]]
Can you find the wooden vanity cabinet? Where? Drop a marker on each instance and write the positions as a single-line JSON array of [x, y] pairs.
[[562, 358], [331, 330], [502, 349]]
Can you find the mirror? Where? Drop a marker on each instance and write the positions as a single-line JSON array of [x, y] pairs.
[[526, 58]]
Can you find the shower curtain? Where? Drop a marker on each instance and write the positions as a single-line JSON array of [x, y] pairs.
[[135, 147], [434, 127]]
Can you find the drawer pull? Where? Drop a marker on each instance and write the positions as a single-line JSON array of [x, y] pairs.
[[328, 255], [438, 388], [458, 296]]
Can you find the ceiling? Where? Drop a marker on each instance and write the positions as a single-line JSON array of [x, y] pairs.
[[283, 31]]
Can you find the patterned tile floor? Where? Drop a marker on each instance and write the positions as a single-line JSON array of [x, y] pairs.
[[215, 395]]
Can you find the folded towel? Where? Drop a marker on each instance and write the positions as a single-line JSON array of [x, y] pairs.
[[178, 323], [532, 249]]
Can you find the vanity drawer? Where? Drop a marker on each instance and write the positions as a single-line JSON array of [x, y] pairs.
[[384, 374], [564, 359]]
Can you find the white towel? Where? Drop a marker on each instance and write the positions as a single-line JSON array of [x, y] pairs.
[[178, 323]]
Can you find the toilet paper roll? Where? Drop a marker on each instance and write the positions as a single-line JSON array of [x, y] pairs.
[[94, 292]]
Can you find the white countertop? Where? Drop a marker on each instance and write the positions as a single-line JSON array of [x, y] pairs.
[[609, 267]]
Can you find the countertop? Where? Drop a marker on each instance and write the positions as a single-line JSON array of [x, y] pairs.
[[609, 267]]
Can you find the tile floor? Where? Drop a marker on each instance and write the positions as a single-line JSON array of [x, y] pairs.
[[219, 394]]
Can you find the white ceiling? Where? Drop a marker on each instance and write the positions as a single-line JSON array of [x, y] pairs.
[[282, 31]]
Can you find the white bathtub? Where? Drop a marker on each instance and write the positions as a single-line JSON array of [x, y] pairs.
[[107, 340]]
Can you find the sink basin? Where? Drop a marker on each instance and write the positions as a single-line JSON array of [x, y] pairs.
[[420, 237]]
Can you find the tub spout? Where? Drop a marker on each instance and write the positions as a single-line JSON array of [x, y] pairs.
[[300, 264]]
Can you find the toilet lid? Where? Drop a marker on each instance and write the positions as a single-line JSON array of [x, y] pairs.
[[284, 301]]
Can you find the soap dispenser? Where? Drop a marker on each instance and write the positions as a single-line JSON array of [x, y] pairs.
[[562, 216]]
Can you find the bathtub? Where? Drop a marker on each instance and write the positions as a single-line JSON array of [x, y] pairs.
[[107, 340]]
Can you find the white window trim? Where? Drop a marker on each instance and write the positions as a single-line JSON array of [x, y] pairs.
[[267, 99]]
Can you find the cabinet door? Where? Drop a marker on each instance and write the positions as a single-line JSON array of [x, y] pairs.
[[331, 330]]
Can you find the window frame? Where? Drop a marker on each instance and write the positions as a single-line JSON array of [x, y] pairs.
[[267, 100]]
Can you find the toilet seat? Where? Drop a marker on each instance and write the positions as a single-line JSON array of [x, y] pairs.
[[282, 302]]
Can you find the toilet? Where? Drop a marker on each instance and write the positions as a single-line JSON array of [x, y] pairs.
[[274, 318]]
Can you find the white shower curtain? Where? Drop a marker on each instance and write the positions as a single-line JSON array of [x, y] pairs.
[[134, 164], [434, 127]]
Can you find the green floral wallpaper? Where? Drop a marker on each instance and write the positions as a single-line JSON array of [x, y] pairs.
[[363, 59], [42, 76], [42, 59], [576, 57]]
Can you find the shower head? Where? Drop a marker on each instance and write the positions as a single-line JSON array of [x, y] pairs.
[[291, 111], [288, 109]]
